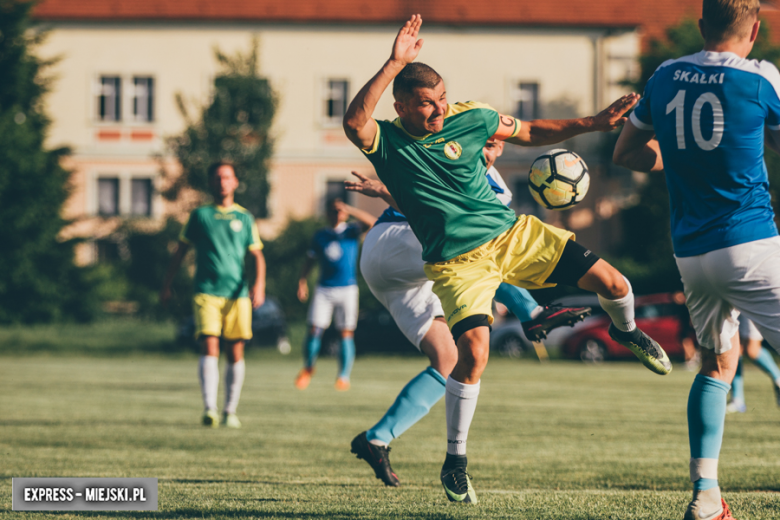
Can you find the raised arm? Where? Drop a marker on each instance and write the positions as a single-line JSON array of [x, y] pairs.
[[370, 188], [638, 150], [359, 124], [541, 132], [364, 217]]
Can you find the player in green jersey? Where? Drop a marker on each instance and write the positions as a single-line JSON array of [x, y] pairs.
[[223, 234], [431, 161]]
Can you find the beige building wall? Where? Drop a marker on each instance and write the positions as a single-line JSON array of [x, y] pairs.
[[576, 70]]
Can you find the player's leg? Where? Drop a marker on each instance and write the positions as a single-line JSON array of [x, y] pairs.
[[236, 331], [318, 319], [753, 348], [207, 311], [617, 299], [466, 286], [345, 315], [715, 321]]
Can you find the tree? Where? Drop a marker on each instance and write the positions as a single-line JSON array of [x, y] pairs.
[[647, 255], [38, 280], [235, 127]]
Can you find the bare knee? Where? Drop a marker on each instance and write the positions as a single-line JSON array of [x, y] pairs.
[[721, 366], [604, 280], [440, 348], [473, 353]]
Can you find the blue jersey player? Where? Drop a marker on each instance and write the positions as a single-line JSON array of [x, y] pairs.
[[335, 249], [704, 120]]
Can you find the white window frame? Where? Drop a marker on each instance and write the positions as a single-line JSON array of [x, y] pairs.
[[515, 95], [125, 192], [325, 93]]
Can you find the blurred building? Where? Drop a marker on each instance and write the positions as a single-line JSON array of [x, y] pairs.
[[122, 62]]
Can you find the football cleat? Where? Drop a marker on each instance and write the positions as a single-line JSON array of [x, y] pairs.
[[644, 347], [210, 419], [303, 378], [342, 384], [377, 458], [457, 486], [230, 420], [708, 505], [736, 406], [552, 317]]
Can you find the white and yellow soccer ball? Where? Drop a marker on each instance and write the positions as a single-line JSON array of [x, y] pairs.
[[558, 179]]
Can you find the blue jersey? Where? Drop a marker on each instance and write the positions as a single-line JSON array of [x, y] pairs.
[[336, 251], [709, 111]]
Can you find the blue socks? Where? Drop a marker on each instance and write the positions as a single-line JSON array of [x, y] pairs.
[[766, 362], [706, 417], [346, 357], [738, 384], [517, 300], [312, 347], [411, 405]]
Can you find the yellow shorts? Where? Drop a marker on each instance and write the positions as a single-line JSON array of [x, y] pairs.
[[524, 255], [217, 316]]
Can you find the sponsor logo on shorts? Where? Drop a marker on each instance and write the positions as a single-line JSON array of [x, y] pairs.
[[452, 150], [587, 252], [456, 311]]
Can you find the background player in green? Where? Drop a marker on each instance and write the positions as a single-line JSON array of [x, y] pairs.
[[431, 161], [223, 234]]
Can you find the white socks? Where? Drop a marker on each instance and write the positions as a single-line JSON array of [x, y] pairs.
[[234, 380], [461, 403], [621, 311], [208, 373], [536, 312]]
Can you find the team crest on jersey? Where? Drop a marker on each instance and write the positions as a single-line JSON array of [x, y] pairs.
[[236, 225], [333, 251], [453, 150]]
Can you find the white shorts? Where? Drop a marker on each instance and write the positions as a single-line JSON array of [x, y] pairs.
[[392, 265], [337, 303], [721, 284], [748, 330]]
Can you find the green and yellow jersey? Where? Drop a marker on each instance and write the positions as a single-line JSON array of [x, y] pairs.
[[439, 180], [221, 237]]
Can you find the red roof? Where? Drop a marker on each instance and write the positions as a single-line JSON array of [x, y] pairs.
[[653, 16]]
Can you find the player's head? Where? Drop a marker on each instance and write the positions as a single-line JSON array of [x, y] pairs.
[[730, 20], [420, 99], [493, 150], [335, 212], [222, 179]]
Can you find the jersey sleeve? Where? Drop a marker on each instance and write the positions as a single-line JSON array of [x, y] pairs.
[[253, 242], [189, 232], [641, 116], [508, 127], [377, 149], [354, 230], [769, 94]]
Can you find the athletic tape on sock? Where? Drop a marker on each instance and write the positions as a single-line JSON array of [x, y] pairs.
[[704, 468]]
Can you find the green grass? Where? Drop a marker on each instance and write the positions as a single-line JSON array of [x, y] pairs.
[[562, 441]]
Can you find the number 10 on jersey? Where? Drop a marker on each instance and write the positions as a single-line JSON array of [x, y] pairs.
[[677, 105]]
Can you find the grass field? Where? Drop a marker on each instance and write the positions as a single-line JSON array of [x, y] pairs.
[[561, 441]]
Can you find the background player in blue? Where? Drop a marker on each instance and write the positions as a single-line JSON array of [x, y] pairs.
[[335, 249], [703, 121], [393, 267], [750, 339]]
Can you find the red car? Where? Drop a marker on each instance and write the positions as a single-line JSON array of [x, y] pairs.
[[656, 314]]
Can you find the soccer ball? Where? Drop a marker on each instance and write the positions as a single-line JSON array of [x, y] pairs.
[[558, 179]]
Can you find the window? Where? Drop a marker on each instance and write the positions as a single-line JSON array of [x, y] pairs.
[[336, 190], [108, 196], [336, 96], [143, 99], [141, 197], [110, 99], [526, 99]]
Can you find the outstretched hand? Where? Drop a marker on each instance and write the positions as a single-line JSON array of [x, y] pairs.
[[407, 46], [613, 116], [364, 185]]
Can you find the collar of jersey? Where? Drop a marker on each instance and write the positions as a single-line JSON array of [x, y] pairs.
[[223, 209], [400, 125]]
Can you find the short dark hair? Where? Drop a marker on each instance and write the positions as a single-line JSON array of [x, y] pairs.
[[414, 75], [724, 19], [215, 166], [330, 204]]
